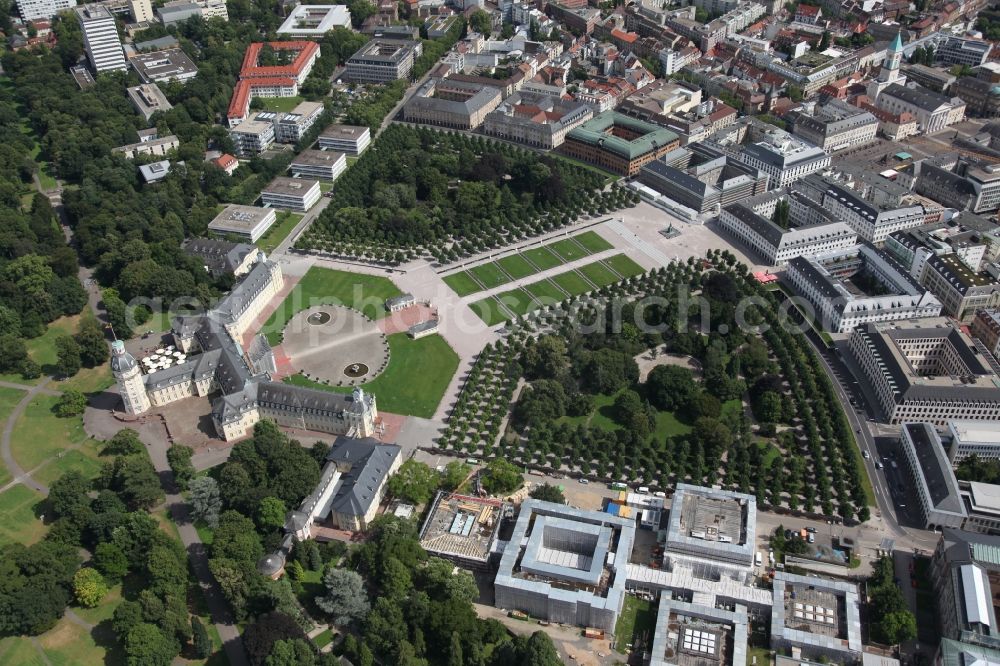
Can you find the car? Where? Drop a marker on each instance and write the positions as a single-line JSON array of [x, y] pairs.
[[866, 455], [788, 534], [811, 530], [584, 481], [879, 465], [812, 538]]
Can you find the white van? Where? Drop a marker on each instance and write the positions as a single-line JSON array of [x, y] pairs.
[[643, 490], [759, 560]]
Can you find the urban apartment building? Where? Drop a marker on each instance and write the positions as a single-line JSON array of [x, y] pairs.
[[832, 283], [249, 223], [986, 328], [321, 164], [348, 139], [291, 193], [618, 143], [871, 221], [926, 370], [933, 111], [961, 51], [452, 104], [100, 38], [256, 80], [834, 125], [382, 61], [962, 291], [930, 472], [254, 135], [963, 183], [810, 230], [702, 179], [538, 120], [150, 143], [33, 10]]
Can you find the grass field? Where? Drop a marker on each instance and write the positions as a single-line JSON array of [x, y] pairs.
[[624, 266], [463, 284], [599, 274], [543, 258], [283, 225], [489, 275], [517, 301], [547, 292], [592, 242], [489, 311], [602, 417], [638, 618], [516, 266], [568, 250], [20, 508], [416, 378], [572, 282], [285, 104], [39, 434], [85, 460], [19, 650], [366, 293]]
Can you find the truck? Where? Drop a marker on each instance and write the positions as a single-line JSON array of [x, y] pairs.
[[591, 632]]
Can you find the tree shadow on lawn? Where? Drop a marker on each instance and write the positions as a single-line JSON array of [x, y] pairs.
[[104, 636]]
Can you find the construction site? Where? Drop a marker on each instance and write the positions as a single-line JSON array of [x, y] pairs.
[[463, 528]]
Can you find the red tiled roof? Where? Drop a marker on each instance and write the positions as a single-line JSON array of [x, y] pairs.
[[807, 10], [225, 160], [624, 36], [251, 69], [241, 92]]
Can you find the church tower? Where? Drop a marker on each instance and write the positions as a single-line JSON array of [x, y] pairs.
[[893, 58], [129, 379]]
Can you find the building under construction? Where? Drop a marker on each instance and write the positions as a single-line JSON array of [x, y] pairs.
[[463, 528]]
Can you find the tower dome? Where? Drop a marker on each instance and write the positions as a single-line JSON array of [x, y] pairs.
[[121, 360]]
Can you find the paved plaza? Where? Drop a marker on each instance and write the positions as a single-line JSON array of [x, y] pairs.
[[335, 345]]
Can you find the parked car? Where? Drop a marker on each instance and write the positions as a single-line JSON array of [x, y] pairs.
[[811, 530], [584, 481]]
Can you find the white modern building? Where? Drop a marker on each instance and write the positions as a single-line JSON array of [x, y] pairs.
[[248, 222], [784, 158], [322, 164], [33, 10], [978, 438], [819, 618], [712, 524], [315, 20], [100, 38], [291, 193], [253, 136], [292, 126], [349, 139]]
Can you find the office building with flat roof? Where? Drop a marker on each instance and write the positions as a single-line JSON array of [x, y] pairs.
[[254, 135], [148, 99], [978, 438], [247, 222], [693, 633], [712, 524], [566, 565], [965, 570], [858, 285], [926, 370], [322, 164], [149, 144], [100, 38], [315, 20], [349, 139], [618, 143], [382, 61], [292, 193], [817, 617], [292, 126], [164, 66], [932, 477], [783, 157], [982, 504]]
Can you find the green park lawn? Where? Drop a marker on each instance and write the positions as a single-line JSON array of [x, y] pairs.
[[517, 301], [547, 292], [8, 401], [413, 383], [599, 274], [542, 257], [366, 293], [572, 283], [463, 283], [638, 618], [283, 225], [39, 434], [19, 650], [489, 275], [516, 266], [85, 460], [20, 508], [624, 266], [285, 104], [489, 310], [592, 242], [568, 249], [602, 417]]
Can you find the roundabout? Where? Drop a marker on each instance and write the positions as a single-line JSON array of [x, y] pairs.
[[335, 345]]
